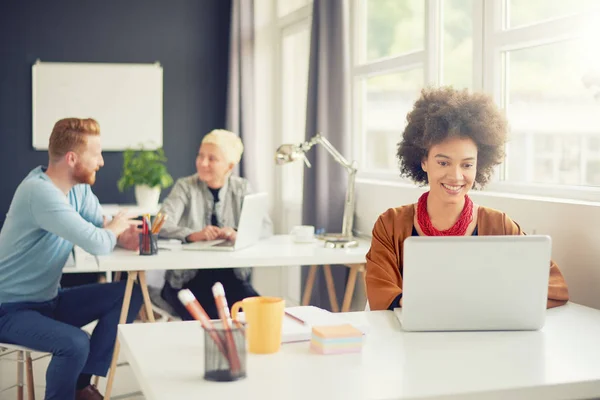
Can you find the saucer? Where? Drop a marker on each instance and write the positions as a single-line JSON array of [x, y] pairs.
[[304, 241]]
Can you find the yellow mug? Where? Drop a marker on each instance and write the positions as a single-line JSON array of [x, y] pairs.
[[264, 318]]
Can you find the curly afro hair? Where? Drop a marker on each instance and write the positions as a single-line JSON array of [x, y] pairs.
[[441, 113]]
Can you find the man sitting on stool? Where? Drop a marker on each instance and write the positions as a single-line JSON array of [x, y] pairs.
[[53, 209]]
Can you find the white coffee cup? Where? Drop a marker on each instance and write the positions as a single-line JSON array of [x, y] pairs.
[[303, 233]]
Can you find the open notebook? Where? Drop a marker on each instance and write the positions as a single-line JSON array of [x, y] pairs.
[[294, 331]]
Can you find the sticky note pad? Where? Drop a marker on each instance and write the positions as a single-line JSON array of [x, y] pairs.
[[336, 331], [336, 339]]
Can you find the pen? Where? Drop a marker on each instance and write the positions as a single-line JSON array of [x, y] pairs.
[[295, 318], [196, 310], [223, 310], [157, 221], [158, 227], [144, 233], [148, 232]]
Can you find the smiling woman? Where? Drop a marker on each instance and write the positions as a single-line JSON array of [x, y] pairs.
[[452, 142]]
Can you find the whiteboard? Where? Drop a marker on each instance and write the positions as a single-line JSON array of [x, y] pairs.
[[125, 99]]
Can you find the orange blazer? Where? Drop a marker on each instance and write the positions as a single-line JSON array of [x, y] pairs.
[[384, 259]]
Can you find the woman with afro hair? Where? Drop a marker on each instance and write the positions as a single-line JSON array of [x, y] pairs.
[[452, 141]]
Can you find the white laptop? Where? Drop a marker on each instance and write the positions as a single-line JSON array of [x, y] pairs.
[[475, 283], [254, 208]]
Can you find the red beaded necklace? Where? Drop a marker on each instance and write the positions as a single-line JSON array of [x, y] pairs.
[[458, 229]]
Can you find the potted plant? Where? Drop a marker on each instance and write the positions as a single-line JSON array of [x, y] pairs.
[[147, 172]]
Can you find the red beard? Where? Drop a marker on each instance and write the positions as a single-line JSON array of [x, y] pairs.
[[81, 175]]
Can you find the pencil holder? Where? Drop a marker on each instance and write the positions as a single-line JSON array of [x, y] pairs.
[[148, 244], [224, 353]]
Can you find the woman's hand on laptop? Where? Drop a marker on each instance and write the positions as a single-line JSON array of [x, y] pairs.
[[208, 233], [228, 233]]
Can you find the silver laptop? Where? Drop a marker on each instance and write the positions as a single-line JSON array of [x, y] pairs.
[[475, 283], [254, 209]]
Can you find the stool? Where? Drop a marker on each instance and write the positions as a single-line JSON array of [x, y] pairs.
[[24, 367]]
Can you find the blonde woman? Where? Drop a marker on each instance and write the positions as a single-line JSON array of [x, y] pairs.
[[207, 206]]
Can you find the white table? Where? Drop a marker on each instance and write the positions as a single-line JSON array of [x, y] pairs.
[[560, 362], [277, 250]]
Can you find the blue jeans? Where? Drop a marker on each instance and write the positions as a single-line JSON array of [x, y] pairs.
[[54, 327]]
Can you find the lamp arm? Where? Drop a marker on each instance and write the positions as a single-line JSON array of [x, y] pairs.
[[332, 150], [348, 219]]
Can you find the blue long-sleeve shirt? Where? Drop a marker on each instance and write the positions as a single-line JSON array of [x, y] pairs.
[[41, 227]]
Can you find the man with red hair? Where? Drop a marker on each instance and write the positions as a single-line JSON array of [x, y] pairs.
[[52, 210]]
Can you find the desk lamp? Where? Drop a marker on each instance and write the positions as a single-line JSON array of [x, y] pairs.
[[290, 152]]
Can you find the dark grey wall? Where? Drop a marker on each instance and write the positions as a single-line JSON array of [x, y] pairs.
[[190, 38]]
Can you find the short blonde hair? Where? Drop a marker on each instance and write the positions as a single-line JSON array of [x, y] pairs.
[[229, 143], [69, 134]]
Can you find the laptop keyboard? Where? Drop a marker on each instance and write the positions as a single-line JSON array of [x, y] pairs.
[[226, 243]]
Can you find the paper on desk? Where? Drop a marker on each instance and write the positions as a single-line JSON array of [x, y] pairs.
[[83, 259], [294, 331], [171, 244]]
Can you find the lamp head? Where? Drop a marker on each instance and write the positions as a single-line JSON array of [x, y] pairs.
[[287, 153]]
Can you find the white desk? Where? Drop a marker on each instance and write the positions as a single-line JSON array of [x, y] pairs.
[[275, 251], [560, 362], [278, 250]]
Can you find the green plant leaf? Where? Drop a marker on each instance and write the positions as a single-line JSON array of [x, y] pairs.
[[144, 167]]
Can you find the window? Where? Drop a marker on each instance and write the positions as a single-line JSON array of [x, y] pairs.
[[526, 12], [397, 53], [537, 58], [539, 65], [388, 74], [392, 28], [387, 100], [282, 48], [548, 102], [457, 38], [285, 7], [295, 46]]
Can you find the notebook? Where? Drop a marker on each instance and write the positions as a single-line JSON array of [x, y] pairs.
[[294, 331]]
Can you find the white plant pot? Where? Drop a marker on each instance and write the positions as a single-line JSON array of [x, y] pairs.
[[147, 197]]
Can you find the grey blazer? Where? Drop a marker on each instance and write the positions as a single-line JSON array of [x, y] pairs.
[[189, 206]]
